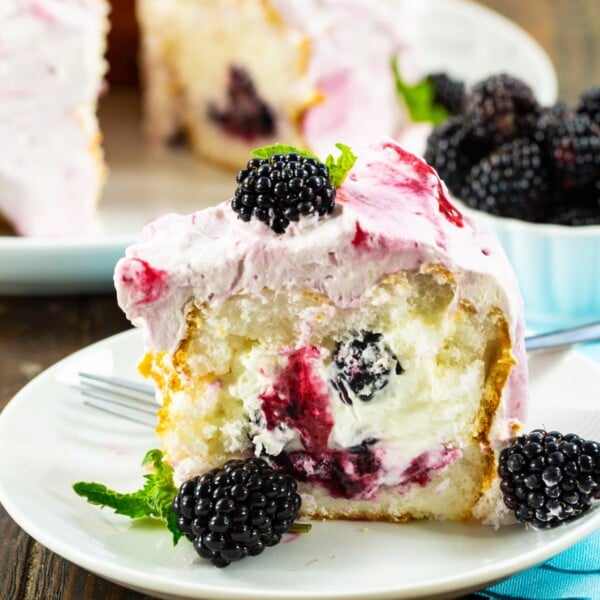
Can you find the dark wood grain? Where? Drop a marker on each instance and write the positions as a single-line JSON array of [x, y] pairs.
[[122, 44], [36, 332], [569, 31]]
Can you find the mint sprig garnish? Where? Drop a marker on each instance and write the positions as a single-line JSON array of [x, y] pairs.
[[338, 167], [154, 500], [418, 98]]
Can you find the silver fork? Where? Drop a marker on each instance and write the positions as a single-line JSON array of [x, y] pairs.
[[131, 400], [135, 401], [555, 340]]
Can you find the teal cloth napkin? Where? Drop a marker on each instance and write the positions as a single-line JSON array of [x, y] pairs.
[[572, 575]]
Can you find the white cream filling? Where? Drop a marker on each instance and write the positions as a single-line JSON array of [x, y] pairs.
[[421, 410]]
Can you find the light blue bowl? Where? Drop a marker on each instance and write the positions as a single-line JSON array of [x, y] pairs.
[[557, 266]]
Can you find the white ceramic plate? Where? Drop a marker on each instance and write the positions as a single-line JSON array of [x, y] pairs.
[[49, 440], [462, 38]]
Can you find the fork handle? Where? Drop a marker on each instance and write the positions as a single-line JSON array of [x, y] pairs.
[[561, 339]]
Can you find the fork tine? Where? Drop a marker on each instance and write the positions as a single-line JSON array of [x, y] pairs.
[[143, 388], [139, 418], [123, 398]]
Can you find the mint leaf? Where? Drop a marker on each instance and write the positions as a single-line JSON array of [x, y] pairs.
[[159, 488], [153, 500], [338, 169], [418, 99], [130, 505], [268, 151]]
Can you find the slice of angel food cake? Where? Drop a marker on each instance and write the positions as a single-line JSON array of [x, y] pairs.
[[236, 75], [51, 74], [337, 341], [364, 339]]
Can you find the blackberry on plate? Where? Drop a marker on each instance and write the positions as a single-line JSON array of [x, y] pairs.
[[363, 364], [503, 107], [448, 92], [575, 151], [548, 478], [511, 182], [237, 510], [283, 188], [589, 104]]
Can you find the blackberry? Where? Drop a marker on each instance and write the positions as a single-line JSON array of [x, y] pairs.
[[364, 364], [283, 188], [448, 92], [578, 207], [503, 107], [548, 478], [237, 510], [452, 150], [244, 114], [549, 120], [511, 182], [575, 152], [589, 104]]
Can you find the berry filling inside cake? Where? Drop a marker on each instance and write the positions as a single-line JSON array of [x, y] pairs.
[[243, 113]]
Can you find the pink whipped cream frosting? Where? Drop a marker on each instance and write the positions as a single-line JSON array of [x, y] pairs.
[[392, 213], [51, 71]]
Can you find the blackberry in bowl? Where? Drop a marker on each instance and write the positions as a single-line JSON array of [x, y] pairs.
[[531, 175]]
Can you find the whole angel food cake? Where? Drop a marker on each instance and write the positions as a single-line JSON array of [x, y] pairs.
[[360, 336], [51, 69], [239, 74]]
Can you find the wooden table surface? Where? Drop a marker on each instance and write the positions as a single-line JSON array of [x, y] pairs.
[[35, 332]]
